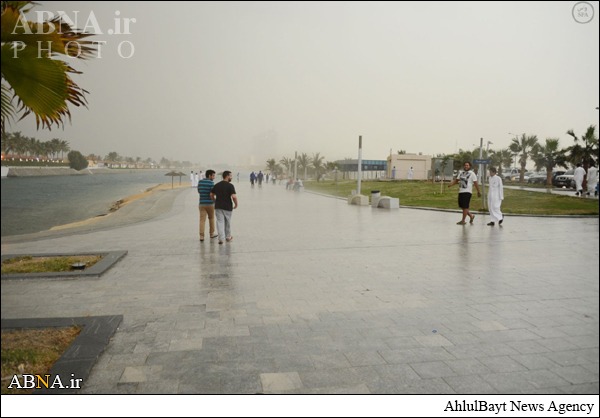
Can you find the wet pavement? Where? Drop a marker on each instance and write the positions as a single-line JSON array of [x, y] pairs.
[[316, 296]]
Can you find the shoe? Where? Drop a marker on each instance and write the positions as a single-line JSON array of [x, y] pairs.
[[472, 218], [220, 242], [213, 236], [490, 224], [500, 221], [229, 239], [461, 223]]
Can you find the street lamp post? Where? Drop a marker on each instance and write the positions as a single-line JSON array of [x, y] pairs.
[[481, 177]]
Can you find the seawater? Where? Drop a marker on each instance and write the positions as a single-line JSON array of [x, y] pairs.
[[34, 204]]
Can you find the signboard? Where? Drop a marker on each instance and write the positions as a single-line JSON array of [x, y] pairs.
[[478, 161]]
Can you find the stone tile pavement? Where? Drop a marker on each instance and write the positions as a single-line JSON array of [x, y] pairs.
[[315, 296]]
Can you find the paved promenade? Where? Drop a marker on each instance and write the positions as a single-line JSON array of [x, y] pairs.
[[315, 296]]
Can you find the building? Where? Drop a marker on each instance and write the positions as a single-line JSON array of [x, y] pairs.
[[370, 169], [399, 165]]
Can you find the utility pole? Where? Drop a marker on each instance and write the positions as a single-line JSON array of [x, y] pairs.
[[481, 176]]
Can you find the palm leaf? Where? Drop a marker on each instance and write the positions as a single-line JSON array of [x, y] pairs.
[[42, 85]]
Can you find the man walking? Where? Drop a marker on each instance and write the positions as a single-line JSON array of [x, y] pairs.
[[467, 180], [578, 176], [207, 206], [495, 198], [592, 180], [225, 198]]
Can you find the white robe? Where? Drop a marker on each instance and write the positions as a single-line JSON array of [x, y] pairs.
[[592, 179], [578, 176], [495, 198]]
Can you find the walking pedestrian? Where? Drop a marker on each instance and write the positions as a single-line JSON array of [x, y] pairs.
[[592, 180], [225, 198], [466, 180], [206, 205], [495, 198], [578, 176]]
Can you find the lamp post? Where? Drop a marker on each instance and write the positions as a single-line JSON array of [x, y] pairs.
[[481, 178]]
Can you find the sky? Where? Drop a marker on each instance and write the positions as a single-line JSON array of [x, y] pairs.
[[236, 83]]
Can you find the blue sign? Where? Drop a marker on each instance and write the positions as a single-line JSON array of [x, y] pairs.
[[478, 161]]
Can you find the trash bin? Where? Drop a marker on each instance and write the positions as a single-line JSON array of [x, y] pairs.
[[375, 195]]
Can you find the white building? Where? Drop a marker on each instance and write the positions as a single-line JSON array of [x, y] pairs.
[[398, 166]]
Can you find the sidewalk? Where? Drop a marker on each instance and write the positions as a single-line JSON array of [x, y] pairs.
[[316, 296]]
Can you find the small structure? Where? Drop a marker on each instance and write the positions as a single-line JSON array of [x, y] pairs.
[[417, 164]]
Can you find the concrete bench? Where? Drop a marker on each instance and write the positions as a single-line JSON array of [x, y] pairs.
[[358, 199], [388, 202]]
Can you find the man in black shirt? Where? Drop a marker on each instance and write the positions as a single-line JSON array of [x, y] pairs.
[[223, 194]]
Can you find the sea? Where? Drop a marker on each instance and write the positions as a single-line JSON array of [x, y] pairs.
[[34, 204]]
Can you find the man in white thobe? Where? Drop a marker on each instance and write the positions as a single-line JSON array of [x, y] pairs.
[[578, 176], [495, 198], [592, 180]]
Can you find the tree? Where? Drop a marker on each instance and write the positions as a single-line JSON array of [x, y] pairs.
[[443, 164], [548, 156], [585, 152], [112, 157], [304, 162], [77, 161], [287, 163], [40, 83], [272, 165], [523, 146], [317, 163]]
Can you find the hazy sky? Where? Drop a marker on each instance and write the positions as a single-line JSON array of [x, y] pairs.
[[239, 82]]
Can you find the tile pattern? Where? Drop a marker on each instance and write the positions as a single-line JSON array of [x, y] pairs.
[[318, 296]]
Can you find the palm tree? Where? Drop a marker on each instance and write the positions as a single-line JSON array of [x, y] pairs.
[[317, 163], [523, 146], [272, 165], [40, 83], [586, 153], [548, 156], [287, 163], [303, 162]]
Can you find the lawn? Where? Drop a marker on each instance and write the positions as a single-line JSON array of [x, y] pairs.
[[32, 351], [30, 264], [436, 195]]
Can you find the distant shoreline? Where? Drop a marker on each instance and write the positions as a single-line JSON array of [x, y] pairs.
[[22, 171]]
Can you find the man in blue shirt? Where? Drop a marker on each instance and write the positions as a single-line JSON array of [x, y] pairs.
[[207, 206]]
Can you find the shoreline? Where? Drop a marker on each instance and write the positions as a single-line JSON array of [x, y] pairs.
[[40, 171], [131, 209], [115, 207]]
